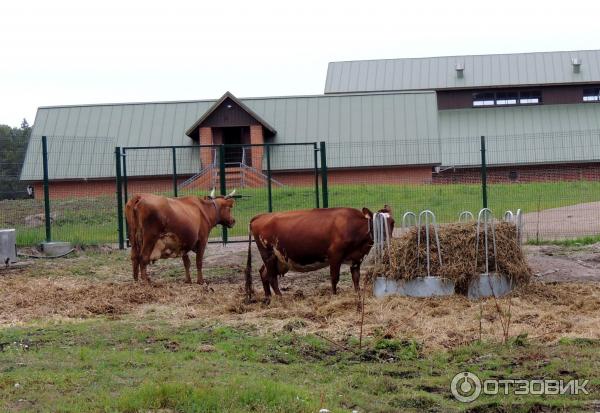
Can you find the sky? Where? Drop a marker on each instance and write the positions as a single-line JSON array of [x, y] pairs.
[[64, 52]]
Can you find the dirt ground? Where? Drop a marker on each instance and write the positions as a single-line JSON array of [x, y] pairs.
[[566, 222], [563, 299]]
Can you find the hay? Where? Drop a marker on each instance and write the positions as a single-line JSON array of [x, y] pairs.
[[457, 243]]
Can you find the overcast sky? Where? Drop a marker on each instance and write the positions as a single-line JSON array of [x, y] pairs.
[[70, 52]]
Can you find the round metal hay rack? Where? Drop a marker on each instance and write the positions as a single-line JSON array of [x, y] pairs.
[[465, 216], [429, 219]]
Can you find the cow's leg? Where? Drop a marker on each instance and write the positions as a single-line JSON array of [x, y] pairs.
[[186, 265], [200, 258], [135, 262], [274, 281], [334, 270], [355, 270], [144, 258], [143, 270], [264, 277]]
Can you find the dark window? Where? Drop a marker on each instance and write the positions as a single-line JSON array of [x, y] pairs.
[[591, 95], [530, 97], [505, 98], [513, 175], [483, 99]]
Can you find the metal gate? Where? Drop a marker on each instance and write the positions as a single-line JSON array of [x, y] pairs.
[[267, 177]]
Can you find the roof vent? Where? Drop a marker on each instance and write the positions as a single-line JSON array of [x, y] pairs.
[[460, 69], [576, 62]]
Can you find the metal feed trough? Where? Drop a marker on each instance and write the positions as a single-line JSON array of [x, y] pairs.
[[421, 286], [488, 283]]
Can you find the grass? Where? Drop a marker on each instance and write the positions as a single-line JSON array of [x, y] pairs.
[[574, 242], [93, 220], [132, 366]]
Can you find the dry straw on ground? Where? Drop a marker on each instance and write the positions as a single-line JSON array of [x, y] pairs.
[[457, 244]]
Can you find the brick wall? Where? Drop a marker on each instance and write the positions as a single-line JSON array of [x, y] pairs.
[[94, 188], [530, 173], [257, 138], [385, 175], [206, 138]]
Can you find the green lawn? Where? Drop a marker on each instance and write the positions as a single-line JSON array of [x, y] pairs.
[[123, 366], [93, 220]]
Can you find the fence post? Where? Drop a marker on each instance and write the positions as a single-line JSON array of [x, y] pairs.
[[119, 198], [316, 154], [483, 174], [269, 186], [324, 175], [174, 172], [223, 184], [124, 176], [46, 189]]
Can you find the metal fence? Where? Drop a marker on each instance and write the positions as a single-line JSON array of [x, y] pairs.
[[196, 170], [553, 178]]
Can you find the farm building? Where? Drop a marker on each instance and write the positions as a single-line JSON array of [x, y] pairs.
[[411, 120]]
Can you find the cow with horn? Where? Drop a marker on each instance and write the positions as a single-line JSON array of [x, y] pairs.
[[309, 240], [160, 227]]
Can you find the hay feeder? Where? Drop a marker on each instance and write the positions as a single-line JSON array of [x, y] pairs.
[[478, 259], [423, 285], [488, 283]]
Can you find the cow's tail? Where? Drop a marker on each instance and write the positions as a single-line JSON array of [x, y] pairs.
[[249, 289], [134, 229]]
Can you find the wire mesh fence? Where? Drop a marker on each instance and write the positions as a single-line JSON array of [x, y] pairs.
[[554, 179], [261, 186], [18, 207]]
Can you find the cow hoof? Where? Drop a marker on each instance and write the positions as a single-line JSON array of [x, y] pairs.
[[267, 301], [188, 281]]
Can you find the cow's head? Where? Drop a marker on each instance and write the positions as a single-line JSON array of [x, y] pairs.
[[224, 204], [387, 210]]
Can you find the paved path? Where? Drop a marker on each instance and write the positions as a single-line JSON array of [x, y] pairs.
[[566, 222]]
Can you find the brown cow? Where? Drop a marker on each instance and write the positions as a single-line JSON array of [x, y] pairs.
[[161, 227], [309, 240]]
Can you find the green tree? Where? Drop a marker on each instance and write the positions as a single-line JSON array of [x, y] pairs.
[[13, 145]]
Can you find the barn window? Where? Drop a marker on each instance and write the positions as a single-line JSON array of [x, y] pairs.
[[513, 175], [591, 95], [530, 97], [483, 99], [507, 98]]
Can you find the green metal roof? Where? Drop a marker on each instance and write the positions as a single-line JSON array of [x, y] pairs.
[[518, 69], [82, 138]]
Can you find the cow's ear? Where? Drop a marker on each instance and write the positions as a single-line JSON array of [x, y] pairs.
[[387, 208], [367, 213]]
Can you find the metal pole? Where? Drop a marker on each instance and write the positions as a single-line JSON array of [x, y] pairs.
[[316, 153], [483, 174], [124, 176], [119, 198], [174, 172], [269, 186], [223, 184], [46, 189], [324, 175]]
